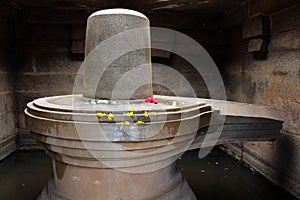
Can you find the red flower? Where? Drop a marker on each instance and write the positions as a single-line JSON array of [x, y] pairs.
[[151, 100]]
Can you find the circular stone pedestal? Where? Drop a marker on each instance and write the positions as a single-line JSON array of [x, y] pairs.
[[115, 149]]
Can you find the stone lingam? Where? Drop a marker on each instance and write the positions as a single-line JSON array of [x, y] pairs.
[[107, 144]]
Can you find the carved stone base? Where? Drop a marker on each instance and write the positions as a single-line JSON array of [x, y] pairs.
[[88, 183]]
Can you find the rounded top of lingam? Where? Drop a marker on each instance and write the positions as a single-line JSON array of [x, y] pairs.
[[118, 11]]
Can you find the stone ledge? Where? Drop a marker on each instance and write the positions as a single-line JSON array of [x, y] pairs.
[[7, 146], [25, 141]]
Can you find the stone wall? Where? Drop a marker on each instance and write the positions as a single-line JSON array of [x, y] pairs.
[[45, 66], [273, 81], [7, 115]]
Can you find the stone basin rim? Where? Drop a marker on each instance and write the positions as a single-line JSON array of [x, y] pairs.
[[118, 117], [47, 103]]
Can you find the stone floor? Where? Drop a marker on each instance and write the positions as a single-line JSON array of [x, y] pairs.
[[217, 176]]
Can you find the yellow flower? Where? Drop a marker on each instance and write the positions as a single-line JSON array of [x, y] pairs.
[[118, 123], [146, 114], [139, 122], [131, 109], [129, 114], [110, 117], [101, 114], [126, 122]]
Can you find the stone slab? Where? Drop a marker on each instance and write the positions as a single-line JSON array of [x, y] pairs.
[[44, 82], [6, 102], [256, 26], [7, 121], [255, 45], [286, 40], [77, 46], [7, 146], [6, 82], [55, 62]]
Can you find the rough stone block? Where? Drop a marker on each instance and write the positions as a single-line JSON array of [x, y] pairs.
[[6, 82], [287, 40], [7, 146], [6, 101], [278, 63], [285, 33], [286, 20], [7, 122], [282, 93], [21, 120], [44, 82], [255, 45], [77, 46], [256, 26], [252, 27], [56, 63], [268, 7], [2, 101]]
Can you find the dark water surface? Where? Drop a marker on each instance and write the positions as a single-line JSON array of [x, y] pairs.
[[220, 177], [217, 176]]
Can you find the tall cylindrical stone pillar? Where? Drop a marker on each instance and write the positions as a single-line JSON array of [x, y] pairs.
[[117, 55]]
